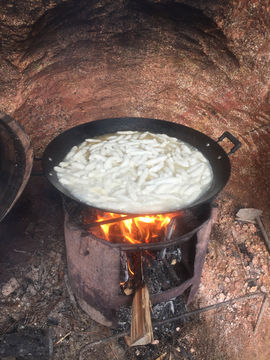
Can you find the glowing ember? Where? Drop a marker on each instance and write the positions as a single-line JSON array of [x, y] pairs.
[[143, 229]]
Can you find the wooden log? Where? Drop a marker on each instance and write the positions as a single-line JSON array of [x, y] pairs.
[[141, 324]]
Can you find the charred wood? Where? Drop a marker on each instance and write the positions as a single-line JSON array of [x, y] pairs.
[[124, 267], [160, 275], [171, 271]]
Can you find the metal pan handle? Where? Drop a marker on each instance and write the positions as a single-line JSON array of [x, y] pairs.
[[237, 143]]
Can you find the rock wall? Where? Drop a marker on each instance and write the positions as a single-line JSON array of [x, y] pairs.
[[199, 63]]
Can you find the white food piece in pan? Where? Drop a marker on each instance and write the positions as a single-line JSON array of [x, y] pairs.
[[78, 165], [71, 153], [60, 169], [157, 167], [131, 192], [168, 171], [65, 181], [96, 146], [127, 132], [93, 140], [143, 176], [156, 160], [170, 163], [133, 172], [180, 161]]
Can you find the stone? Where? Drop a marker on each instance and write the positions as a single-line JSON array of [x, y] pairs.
[[10, 286]]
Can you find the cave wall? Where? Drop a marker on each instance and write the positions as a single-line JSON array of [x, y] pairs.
[[199, 63]]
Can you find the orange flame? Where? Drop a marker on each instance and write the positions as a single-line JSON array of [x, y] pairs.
[[129, 269], [143, 229]]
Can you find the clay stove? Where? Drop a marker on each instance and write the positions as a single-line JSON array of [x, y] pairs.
[[95, 264]]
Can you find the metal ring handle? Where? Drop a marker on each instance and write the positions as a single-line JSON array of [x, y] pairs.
[[236, 142]]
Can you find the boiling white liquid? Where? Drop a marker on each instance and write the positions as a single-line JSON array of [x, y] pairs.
[[134, 172]]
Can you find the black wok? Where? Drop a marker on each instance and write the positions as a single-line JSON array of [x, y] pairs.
[[58, 148]]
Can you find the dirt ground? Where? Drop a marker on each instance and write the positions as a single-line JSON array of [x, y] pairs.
[[32, 253]]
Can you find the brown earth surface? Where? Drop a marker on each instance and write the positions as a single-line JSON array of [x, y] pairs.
[[33, 252]]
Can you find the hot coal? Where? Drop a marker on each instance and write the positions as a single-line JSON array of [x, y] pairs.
[[160, 311], [162, 270]]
